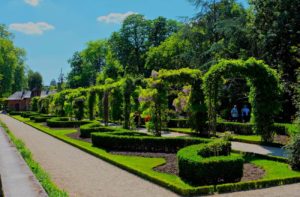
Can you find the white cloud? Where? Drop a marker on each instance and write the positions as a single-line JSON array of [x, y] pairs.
[[33, 2], [115, 17], [31, 28]]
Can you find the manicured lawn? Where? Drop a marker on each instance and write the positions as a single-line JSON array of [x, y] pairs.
[[144, 166]]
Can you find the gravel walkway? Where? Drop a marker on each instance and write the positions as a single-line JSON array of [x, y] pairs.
[[254, 148], [79, 173]]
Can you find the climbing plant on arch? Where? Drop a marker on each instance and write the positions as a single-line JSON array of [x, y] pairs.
[[264, 92], [196, 105]]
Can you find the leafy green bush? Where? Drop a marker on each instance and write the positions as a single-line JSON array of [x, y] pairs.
[[27, 114], [234, 187], [134, 141], [210, 163], [65, 122], [178, 123], [15, 113], [87, 129], [41, 118], [293, 149]]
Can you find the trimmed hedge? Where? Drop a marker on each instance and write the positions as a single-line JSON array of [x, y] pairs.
[[178, 123], [15, 113], [27, 114], [236, 127], [210, 163], [134, 141], [41, 118], [65, 122], [87, 129], [234, 187]]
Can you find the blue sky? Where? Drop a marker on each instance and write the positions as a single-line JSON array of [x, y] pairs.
[[52, 30]]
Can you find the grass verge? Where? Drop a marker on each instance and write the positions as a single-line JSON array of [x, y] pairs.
[[42, 176], [143, 167]]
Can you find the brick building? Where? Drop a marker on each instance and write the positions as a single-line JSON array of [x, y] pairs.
[[20, 100]]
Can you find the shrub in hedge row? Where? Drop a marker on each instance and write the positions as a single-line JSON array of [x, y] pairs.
[[233, 187], [65, 122], [210, 163], [41, 118], [134, 141], [15, 113], [178, 123], [27, 114], [87, 129], [236, 127]]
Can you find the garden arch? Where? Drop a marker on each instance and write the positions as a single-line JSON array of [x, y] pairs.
[[264, 92], [197, 107]]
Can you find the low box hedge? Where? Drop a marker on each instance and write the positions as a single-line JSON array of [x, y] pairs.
[[27, 114], [134, 141], [234, 187], [41, 118], [236, 127], [15, 113], [65, 122], [178, 123], [87, 129], [211, 163]]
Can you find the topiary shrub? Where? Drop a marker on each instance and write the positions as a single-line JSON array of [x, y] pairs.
[[135, 141], [87, 129], [293, 150], [210, 163], [27, 114], [65, 122], [41, 118]]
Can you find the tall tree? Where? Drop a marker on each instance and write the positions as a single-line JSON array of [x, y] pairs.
[[160, 29], [276, 30], [131, 43], [35, 80]]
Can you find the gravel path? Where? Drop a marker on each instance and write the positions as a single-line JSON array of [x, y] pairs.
[[79, 173], [254, 148]]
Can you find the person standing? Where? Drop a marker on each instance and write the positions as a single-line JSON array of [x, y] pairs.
[[246, 113], [234, 113]]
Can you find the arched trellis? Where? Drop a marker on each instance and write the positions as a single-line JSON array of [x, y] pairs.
[[264, 92], [63, 100], [197, 107]]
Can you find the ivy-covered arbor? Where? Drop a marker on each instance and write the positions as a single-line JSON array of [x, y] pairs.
[[157, 86], [264, 92]]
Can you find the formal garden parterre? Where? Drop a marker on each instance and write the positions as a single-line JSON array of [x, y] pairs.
[[108, 117]]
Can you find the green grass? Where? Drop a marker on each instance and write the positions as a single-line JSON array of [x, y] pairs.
[[274, 170], [250, 138], [144, 166], [182, 130], [42, 176]]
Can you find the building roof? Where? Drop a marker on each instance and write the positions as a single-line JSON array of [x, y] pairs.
[[20, 95], [46, 93]]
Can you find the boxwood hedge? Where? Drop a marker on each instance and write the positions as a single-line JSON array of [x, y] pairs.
[[134, 141], [236, 127], [41, 118], [27, 114], [210, 163], [65, 122], [87, 129]]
